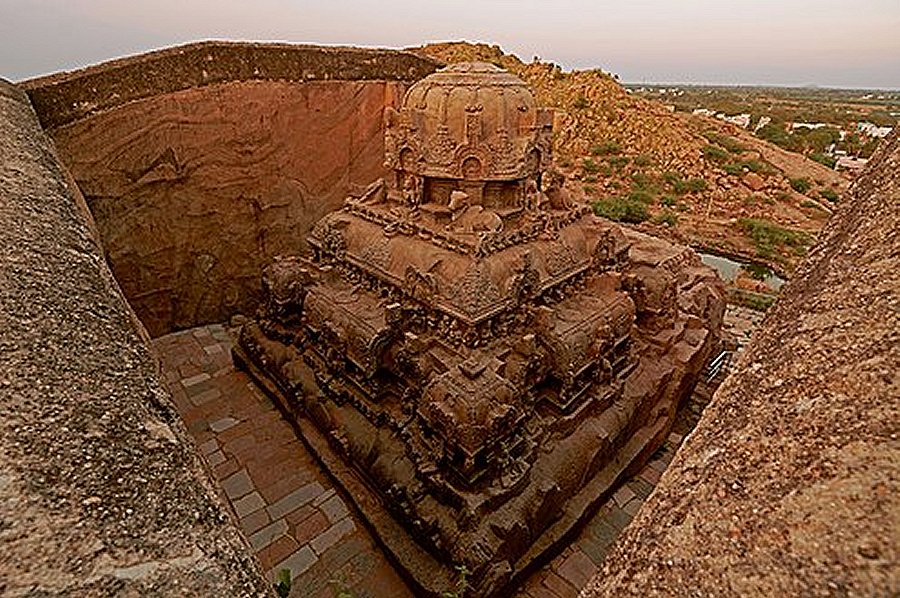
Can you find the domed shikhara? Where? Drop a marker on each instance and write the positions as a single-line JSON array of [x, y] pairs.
[[469, 121], [473, 355]]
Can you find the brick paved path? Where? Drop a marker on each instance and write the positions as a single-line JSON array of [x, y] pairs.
[[293, 515]]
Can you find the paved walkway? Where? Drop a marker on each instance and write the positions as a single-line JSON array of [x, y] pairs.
[[294, 516]]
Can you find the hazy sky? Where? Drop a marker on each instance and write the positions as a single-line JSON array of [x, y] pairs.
[[838, 43]]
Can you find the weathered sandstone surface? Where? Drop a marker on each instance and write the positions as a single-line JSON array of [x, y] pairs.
[[102, 492], [789, 484], [197, 180]]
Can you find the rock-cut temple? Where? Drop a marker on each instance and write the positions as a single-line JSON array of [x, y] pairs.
[[474, 357]]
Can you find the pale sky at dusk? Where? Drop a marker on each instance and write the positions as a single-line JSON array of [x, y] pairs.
[[836, 43]]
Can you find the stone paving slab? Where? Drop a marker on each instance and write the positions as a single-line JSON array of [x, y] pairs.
[[294, 516]]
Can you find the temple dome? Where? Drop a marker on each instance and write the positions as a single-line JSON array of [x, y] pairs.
[[469, 121]]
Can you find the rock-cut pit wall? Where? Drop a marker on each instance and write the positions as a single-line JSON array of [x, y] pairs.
[[200, 163], [790, 483], [102, 491]]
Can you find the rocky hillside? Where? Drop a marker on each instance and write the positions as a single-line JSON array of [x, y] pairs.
[[788, 486], [695, 179]]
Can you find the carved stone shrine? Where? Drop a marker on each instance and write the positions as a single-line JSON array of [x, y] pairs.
[[476, 359]]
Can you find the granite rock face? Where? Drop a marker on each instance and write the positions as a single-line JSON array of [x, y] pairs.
[[204, 169], [789, 484], [102, 491]]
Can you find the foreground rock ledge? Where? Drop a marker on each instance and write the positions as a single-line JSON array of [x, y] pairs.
[[789, 483], [101, 489]]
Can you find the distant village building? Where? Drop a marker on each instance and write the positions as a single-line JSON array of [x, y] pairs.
[[811, 126], [873, 130], [741, 120], [704, 112], [850, 163], [763, 121]]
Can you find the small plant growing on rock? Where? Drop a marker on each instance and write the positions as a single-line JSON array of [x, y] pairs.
[[283, 583], [800, 185], [606, 148], [462, 583]]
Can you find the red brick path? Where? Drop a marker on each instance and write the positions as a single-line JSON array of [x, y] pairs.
[[293, 515]]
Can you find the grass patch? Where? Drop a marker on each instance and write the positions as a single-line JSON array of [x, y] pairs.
[[589, 166], [768, 238], [618, 161], [800, 185], [581, 103], [829, 195], [668, 201], [755, 301], [590, 179], [622, 209], [643, 160], [666, 218], [606, 148], [715, 153], [730, 144]]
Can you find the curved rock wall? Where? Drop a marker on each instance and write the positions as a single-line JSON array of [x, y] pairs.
[[217, 157], [102, 491], [790, 483]]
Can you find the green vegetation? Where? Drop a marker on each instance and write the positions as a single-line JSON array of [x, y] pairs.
[[695, 185], [589, 166], [589, 179], [730, 144], [829, 195], [589, 189], [715, 153], [462, 583], [642, 161], [606, 148], [800, 185], [622, 209], [618, 161], [581, 103], [768, 238], [823, 159], [749, 299], [733, 169], [668, 201], [680, 186], [283, 583], [666, 218]]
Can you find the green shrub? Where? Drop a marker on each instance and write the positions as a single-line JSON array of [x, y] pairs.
[[666, 218], [729, 143], [581, 103], [621, 209], [606, 148], [590, 179], [589, 189], [829, 195], [733, 169], [642, 196], [823, 159], [800, 185], [618, 161], [589, 166], [671, 177], [667, 200], [644, 182], [642, 160], [715, 153], [696, 185]]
